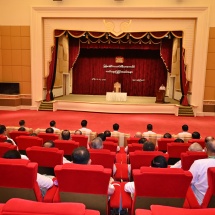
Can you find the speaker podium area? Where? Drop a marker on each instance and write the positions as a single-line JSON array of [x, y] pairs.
[[160, 96]]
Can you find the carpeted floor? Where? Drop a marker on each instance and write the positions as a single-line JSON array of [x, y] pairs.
[[129, 123]]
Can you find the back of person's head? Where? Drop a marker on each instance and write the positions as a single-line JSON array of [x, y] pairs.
[[159, 162], [196, 135], [208, 138], [12, 154], [8, 141], [185, 127], [96, 143], [2, 129], [84, 123], [52, 123], [49, 144], [142, 140], [80, 155], [210, 148], [149, 127], [138, 134], [178, 140], [167, 135], [148, 146], [78, 132], [21, 129], [50, 130], [115, 127], [107, 133], [65, 135], [195, 147], [102, 136], [33, 134], [22, 122]]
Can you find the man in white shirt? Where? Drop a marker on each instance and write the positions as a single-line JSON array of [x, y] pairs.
[[149, 130], [84, 127], [4, 133], [199, 170], [184, 132], [53, 126]]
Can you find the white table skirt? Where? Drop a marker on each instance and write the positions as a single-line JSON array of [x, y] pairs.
[[118, 97]]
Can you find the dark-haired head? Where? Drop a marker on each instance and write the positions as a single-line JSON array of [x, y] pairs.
[[50, 130], [80, 155], [159, 162], [12, 154], [167, 135]]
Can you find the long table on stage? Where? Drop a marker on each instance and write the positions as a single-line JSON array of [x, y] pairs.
[[117, 97]]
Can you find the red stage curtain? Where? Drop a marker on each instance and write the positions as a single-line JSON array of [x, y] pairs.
[[184, 82], [74, 49], [52, 72]]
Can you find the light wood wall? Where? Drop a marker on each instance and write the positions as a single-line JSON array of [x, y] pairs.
[[15, 59]]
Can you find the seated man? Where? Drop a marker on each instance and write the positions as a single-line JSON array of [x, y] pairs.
[[149, 130], [199, 168], [167, 135], [196, 135], [148, 146], [78, 132], [50, 130], [53, 126], [65, 135], [81, 155], [4, 133], [84, 127], [157, 162], [44, 182], [184, 132]]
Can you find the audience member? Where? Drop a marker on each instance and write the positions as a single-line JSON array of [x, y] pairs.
[[194, 147], [81, 155], [43, 181], [199, 183], [142, 140], [22, 129], [102, 136], [149, 131], [33, 134], [22, 123], [148, 146], [167, 135], [65, 135], [184, 132], [115, 127], [50, 130], [78, 132], [138, 134], [107, 133], [208, 138], [196, 135], [53, 126], [178, 140], [50, 144], [96, 143], [157, 162], [84, 127], [3, 132]]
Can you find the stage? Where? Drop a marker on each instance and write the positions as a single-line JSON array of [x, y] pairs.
[[98, 103]]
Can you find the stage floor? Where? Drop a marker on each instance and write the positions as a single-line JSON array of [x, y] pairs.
[[98, 103], [101, 99]]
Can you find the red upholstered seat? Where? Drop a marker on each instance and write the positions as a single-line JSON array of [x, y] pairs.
[[23, 142], [162, 143], [67, 146], [187, 158], [132, 140], [112, 139], [164, 210], [199, 141], [81, 139], [26, 207], [14, 134], [157, 186], [47, 136], [2, 138], [175, 149], [87, 184], [47, 158], [135, 147], [110, 146], [18, 180], [4, 147]]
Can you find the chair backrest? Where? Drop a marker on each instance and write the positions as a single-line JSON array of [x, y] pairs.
[[187, 158], [81, 139], [199, 141], [144, 158], [135, 147], [25, 207], [67, 146], [18, 180], [2, 138], [47, 158], [209, 199], [113, 139], [162, 143], [79, 183], [4, 147], [14, 134], [110, 146], [47, 136], [163, 186], [102, 157], [23, 142], [132, 140]]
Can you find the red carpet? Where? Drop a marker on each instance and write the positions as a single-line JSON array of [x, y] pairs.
[[129, 123]]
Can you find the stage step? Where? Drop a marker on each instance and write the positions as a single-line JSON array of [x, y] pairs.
[[185, 111], [46, 106]]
